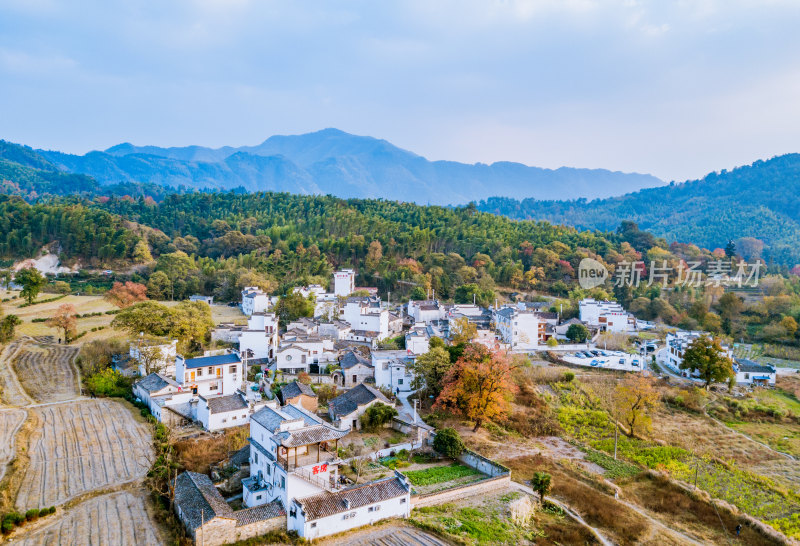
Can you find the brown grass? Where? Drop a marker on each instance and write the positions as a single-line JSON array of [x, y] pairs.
[[197, 454], [588, 498], [680, 509]]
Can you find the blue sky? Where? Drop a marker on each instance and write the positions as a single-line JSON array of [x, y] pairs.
[[675, 89]]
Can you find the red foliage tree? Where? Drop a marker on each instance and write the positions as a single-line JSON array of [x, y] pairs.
[[125, 295]]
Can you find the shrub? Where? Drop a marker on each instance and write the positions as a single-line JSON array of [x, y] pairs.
[[376, 416], [569, 376], [448, 442], [108, 382], [32, 514]]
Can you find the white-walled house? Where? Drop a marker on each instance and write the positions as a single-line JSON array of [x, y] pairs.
[[165, 399], [677, 343], [161, 356], [225, 411], [393, 370], [261, 335], [419, 336], [752, 373], [291, 455], [366, 314], [336, 329], [301, 353], [255, 300], [606, 315], [344, 282], [209, 375], [521, 329], [328, 513], [426, 311]]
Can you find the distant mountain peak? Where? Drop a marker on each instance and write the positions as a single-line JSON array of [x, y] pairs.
[[333, 161]]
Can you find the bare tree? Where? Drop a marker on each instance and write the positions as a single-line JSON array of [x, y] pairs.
[[151, 358]]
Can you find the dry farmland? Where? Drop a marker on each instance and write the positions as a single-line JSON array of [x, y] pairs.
[[116, 519], [82, 446], [10, 421], [11, 391], [47, 372]]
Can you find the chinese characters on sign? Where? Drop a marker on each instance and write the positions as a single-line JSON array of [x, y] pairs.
[[320, 468], [718, 273]]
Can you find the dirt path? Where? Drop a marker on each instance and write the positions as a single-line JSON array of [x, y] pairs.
[[572, 513]]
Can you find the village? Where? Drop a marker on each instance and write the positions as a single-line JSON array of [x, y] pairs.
[[296, 473]]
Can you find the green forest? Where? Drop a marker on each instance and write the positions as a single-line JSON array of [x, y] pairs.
[[758, 206]]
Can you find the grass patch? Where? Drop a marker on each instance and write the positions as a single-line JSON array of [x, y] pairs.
[[440, 474], [614, 467]]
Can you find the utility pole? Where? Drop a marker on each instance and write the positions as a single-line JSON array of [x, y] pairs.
[[415, 410], [202, 522]]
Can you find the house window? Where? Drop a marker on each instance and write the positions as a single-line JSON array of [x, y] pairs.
[[258, 497], [213, 387], [313, 524], [403, 500], [747, 376], [256, 458], [288, 358], [224, 420], [283, 482], [399, 381], [234, 418], [210, 370], [232, 369], [199, 372]]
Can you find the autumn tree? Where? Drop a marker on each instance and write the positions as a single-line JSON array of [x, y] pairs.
[[158, 286], [462, 330], [634, 399], [706, 356], [65, 319], [479, 385], [125, 295], [430, 368], [32, 282], [151, 358]]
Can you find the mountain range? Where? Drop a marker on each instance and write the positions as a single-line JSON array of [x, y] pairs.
[[337, 163], [757, 206]]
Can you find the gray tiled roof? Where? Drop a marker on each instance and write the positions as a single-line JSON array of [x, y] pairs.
[[155, 382], [225, 403], [230, 358], [199, 500], [269, 418], [296, 412], [360, 395], [255, 514], [327, 504], [294, 389], [749, 366], [310, 435], [353, 358]]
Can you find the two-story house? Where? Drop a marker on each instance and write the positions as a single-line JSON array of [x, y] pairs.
[[209, 375], [261, 335]]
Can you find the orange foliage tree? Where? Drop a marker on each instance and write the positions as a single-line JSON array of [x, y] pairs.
[[479, 385], [125, 295]]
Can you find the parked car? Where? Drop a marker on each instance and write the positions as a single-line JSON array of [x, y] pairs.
[[622, 361], [635, 362]]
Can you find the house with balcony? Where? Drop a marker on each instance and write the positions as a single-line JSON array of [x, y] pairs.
[[394, 370], [293, 454], [520, 328], [209, 375], [366, 314], [751, 373]]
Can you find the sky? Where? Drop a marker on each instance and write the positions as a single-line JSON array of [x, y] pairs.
[[672, 88]]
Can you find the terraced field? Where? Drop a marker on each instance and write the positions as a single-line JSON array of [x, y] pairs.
[[10, 421], [11, 391], [115, 519], [80, 447], [46, 371]]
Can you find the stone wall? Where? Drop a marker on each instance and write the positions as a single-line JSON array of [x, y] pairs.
[[482, 464], [456, 493], [259, 528], [216, 532]]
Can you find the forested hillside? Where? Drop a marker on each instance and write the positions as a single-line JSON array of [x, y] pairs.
[[755, 204], [81, 232]]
